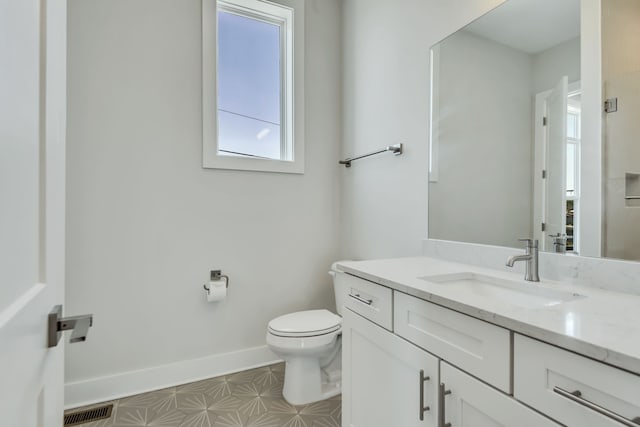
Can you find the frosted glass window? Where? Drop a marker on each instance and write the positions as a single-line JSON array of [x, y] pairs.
[[249, 87]]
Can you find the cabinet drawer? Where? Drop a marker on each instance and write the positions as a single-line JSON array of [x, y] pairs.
[[477, 347], [546, 376], [372, 301]]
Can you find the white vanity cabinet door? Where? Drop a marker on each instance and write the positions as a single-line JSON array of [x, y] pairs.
[[542, 372], [382, 384], [471, 403], [477, 347]]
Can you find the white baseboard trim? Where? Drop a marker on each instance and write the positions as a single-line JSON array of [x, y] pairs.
[[102, 389]]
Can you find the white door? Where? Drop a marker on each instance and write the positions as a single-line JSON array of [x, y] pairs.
[[556, 163], [32, 138], [385, 378], [471, 403]]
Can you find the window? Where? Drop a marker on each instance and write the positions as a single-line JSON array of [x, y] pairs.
[[252, 85], [573, 170], [573, 149]]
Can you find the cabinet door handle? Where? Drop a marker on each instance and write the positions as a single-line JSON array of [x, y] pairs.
[[357, 297], [423, 408], [443, 392], [576, 396]]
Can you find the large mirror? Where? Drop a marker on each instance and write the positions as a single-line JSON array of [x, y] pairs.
[[509, 156]]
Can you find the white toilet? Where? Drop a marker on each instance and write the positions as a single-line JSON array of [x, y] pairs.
[[310, 343]]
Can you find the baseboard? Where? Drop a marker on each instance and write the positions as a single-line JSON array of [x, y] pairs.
[[102, 389]]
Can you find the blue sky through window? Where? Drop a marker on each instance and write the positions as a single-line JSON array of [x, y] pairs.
[[249, 86]]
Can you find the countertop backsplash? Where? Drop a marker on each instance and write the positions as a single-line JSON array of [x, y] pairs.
[[603, 273]]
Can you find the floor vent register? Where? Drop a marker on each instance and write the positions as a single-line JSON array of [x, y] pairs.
[[87, 415]]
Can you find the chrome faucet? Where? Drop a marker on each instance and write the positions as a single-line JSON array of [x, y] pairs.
[[531, 256], [559, 243]]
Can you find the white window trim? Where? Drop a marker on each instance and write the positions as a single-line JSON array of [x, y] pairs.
[[293, 117]]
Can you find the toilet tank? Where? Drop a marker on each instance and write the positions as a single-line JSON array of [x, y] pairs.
[[339, 287]]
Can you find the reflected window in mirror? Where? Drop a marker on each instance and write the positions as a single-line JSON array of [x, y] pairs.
[[573, 172]]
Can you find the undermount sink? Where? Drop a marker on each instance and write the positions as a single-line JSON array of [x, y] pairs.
[[527, 295]]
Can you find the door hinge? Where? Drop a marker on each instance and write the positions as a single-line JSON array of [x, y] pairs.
[[544, 175], [611, 105], [544, 121], [544, 227]]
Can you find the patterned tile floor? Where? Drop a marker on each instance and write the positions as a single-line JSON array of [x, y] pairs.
[[246, 399]]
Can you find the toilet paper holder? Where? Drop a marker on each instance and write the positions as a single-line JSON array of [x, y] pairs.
[[215, 276]]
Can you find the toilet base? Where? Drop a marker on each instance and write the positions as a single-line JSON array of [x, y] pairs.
[[313, 365], [305, 382]]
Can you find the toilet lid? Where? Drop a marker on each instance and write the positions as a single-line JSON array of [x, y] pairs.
[[305, 323]]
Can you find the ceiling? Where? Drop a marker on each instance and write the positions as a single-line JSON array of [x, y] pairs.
[[530, 26]]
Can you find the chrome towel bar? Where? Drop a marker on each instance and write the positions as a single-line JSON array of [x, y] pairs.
[[395, 149]]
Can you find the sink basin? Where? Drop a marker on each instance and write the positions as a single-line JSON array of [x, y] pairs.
[[527, 295]]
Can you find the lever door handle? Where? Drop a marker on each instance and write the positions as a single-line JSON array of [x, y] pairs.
[[78, 324]]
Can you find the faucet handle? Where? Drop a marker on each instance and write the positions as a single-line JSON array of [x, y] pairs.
[[531, 243]]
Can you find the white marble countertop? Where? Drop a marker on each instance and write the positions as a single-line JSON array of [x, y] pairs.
[[604, 326]]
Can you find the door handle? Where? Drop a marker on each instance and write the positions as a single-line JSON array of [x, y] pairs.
[[357, 297], [423, 408], [443, 392], [576, 396], [57, 324]]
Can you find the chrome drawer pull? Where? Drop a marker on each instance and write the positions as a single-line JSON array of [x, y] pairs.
[[423, 409], [576, 396], [362, 300], [443, 392]]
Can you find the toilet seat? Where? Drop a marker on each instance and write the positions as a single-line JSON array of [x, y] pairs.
[[307, 323]]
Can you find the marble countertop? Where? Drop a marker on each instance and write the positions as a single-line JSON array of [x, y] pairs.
[[604, 326]]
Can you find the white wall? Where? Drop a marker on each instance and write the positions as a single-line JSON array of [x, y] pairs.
[[146, 223], [386, 100], [551, 64], [483, 194]]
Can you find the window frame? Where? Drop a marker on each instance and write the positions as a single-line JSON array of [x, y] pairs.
[[292, 86]]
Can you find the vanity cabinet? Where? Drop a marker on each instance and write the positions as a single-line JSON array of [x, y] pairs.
[[388, 382], [402, 355]]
